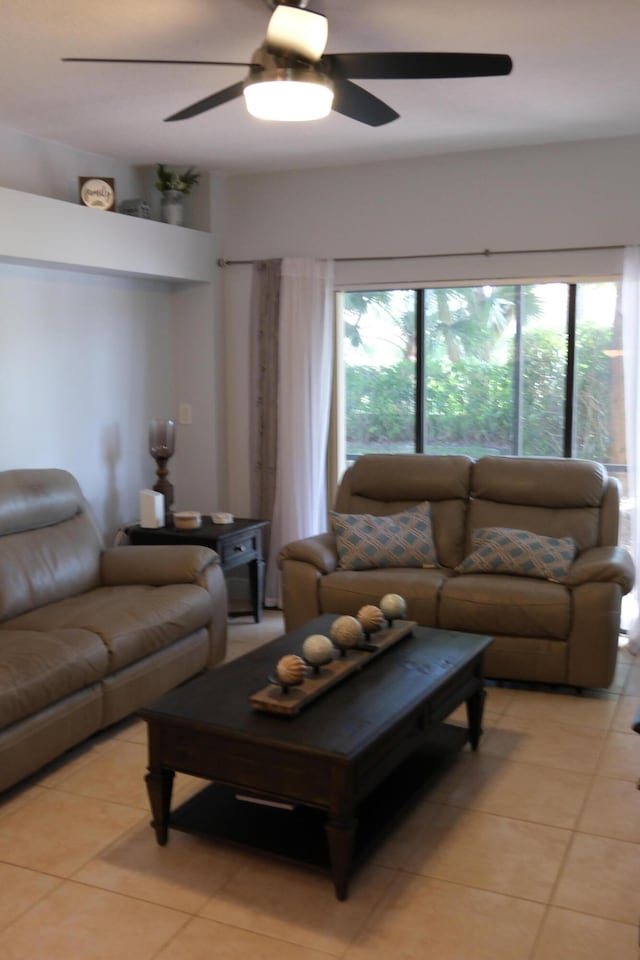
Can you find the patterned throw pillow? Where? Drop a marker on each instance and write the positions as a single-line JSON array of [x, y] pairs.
[[398, 540], [519, 552]]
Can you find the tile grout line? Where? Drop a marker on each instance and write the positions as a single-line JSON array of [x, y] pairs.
[[575, 832]]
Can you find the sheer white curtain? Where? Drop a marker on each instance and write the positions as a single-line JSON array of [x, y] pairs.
[[631, 344], [305, 348]]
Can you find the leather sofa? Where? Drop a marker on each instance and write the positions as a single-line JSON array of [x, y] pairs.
[[545, 631], [88, 634]]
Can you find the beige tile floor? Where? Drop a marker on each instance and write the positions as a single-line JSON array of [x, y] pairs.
[[527, 850]]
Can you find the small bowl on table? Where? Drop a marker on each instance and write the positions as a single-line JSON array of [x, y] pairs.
[[187, 519]]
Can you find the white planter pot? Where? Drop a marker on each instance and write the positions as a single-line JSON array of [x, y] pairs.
[[172, 207]]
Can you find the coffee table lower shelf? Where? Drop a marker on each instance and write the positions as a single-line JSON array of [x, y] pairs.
[[297, 835]]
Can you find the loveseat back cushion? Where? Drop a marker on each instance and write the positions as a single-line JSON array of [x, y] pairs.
[[49, 544], [382, 484], [407, 477], [554, 497]]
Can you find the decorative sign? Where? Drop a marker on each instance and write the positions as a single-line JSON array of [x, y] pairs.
[[98, 192]]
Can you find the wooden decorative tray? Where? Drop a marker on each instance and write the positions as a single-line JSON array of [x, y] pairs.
[[274, 699]]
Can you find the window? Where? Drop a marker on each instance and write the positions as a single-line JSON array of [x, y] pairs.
[[531, 369], [380, 386]]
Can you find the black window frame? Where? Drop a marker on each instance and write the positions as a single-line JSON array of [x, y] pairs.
[[568, 427]]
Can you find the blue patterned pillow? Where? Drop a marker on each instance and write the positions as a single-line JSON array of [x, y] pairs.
[[518, 552], [398, 540]]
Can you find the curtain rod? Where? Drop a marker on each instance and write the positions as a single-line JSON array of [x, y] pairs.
[[221, 262]]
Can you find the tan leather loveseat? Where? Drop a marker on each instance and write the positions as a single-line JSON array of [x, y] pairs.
[[87, 634], [552, 632]]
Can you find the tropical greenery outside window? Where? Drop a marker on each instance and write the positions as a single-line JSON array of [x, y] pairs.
[[528, 369]]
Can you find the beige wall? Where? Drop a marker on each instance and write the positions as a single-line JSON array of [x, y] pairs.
[[572, 194], [86, 360]]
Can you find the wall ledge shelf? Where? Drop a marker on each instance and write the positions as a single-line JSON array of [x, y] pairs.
[[44, 232]]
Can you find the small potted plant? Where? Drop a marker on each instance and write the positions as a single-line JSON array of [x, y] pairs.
[[174, 187]]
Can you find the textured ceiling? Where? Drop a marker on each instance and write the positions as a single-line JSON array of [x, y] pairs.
[[576, 76]]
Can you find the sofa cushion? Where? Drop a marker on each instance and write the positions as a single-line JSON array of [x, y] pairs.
[[382, 484], [50, 543], [555, 497], [43, 566], [345, 591], [403, 539], [39, 668], [132, 621], [555, 482], [497, 604], [403, 477], [518, 552], [34, 498]]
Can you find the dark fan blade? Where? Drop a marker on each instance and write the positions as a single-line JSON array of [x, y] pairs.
[[352, 101], [208, 103], [416, 66], [206, 63]]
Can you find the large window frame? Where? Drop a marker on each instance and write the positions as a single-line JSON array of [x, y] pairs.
[[339, 458]]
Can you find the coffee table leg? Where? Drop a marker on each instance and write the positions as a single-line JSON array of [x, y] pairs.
[[475, 708], [340, 836], [159, 782]]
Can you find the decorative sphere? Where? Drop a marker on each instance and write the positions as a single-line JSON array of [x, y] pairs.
[[317, 649], [290, 669], [346, 632], [371, 618], [393, 606]]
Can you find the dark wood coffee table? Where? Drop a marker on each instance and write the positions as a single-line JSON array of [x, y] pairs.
[[351, 759]]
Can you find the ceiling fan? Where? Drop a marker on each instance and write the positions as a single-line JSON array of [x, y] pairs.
[[291, 78]]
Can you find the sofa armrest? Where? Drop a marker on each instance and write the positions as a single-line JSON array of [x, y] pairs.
[[602, 565], [157, 565], [320, 551]]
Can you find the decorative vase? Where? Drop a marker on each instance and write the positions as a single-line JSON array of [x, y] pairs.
[[162, 447], [172, 207]]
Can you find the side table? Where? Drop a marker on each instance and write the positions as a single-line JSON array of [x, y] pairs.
[[237, 544]]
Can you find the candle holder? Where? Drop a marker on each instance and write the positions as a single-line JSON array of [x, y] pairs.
[[162, 446]]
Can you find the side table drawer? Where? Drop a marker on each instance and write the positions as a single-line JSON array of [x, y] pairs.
[[238, 550]]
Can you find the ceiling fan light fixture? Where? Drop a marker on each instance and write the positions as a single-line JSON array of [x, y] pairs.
[[289, 95], [299, 31]]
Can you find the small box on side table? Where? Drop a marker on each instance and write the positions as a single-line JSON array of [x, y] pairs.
[[237, 544]]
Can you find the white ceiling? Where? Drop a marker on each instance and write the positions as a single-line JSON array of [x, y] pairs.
[[576, 76]]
